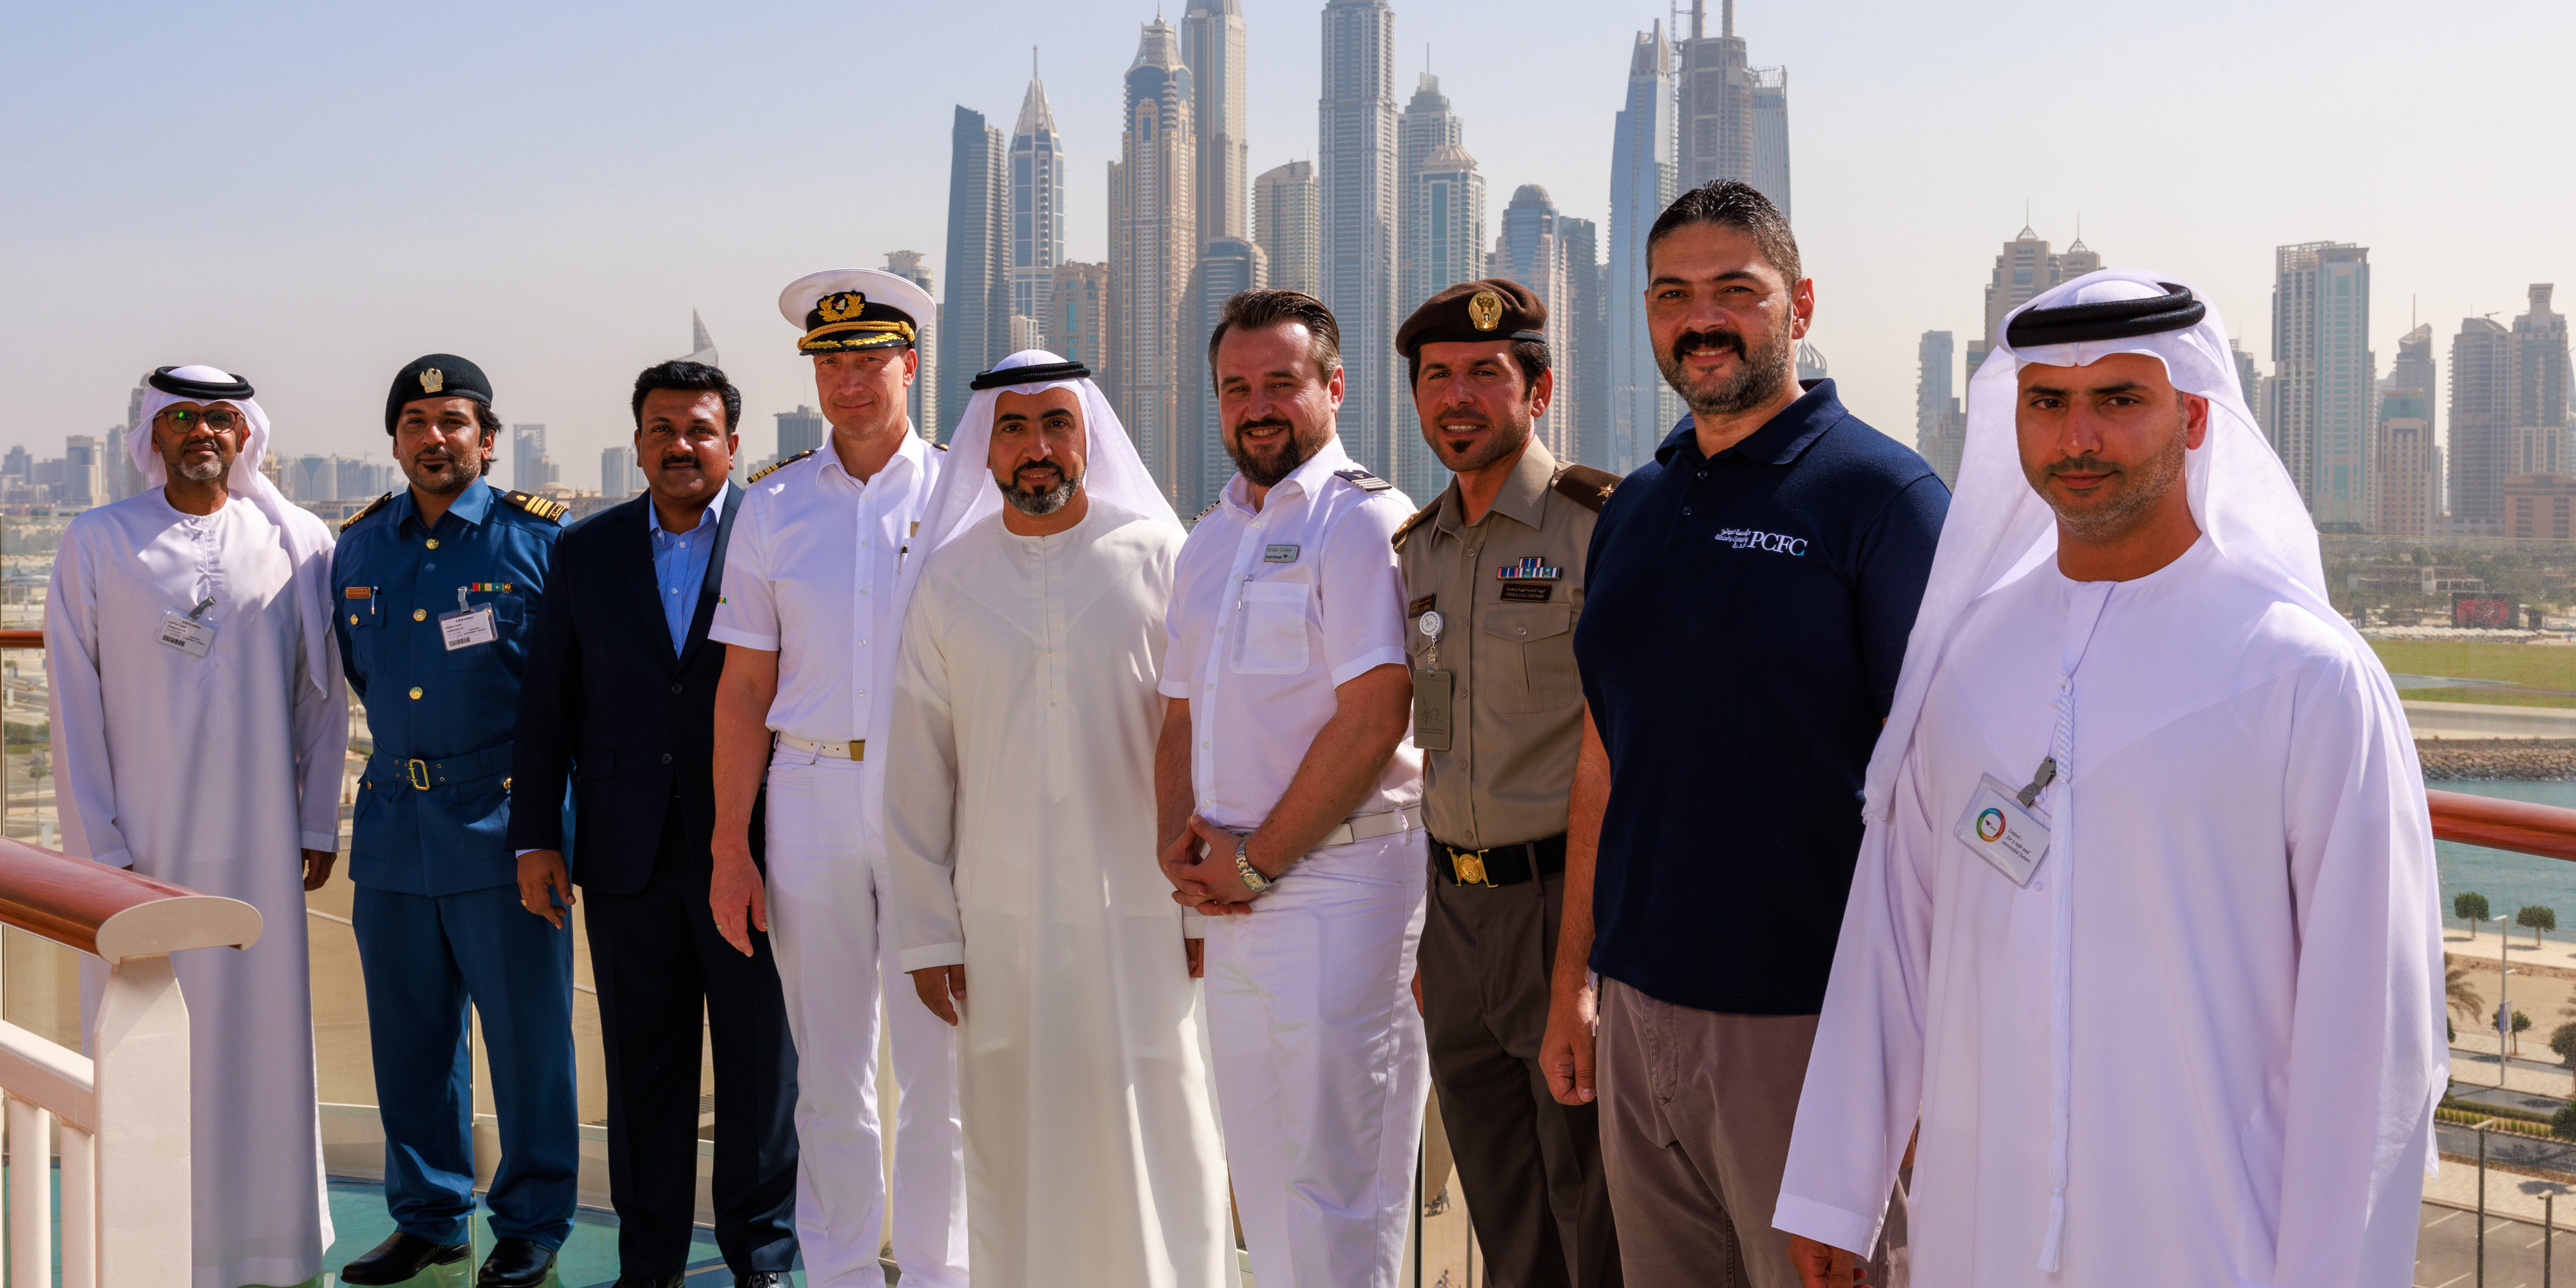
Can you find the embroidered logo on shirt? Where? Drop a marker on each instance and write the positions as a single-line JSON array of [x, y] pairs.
[[1778, 543], [1531, 568]]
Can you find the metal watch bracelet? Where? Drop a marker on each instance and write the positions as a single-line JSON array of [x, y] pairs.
[[1252, 878]]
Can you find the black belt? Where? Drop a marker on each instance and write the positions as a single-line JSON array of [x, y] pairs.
[[424, 774], [1498, 865]]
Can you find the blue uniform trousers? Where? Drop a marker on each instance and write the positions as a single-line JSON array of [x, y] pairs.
[[425, 957]]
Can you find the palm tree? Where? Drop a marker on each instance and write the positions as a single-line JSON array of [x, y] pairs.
[[2464, 996]]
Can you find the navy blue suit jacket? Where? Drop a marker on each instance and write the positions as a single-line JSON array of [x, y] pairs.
[[608, 703]]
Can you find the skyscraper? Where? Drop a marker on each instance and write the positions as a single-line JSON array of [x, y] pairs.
[[1228, 267], [1078, 325], [1037, 206], [1153, 242], [2482, 394], [702, 347], [1641, 407], [2025, 268], [2540, 380], [1427, 127], [1444, 243], [2323, 404], [1940, 432], [530, 467], [1734, 117], [1355, 165], [620, 475], [1579, 367], [84, 471], [1288, 220], [1212, 46], [921, 402], [801, 430], [2407, 468], [975, 319], [1531, 251]]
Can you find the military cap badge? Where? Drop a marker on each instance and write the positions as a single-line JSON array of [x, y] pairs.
[[1485, 310], [432, 380], [841, 306]]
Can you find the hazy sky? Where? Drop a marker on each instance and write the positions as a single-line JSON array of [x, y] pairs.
[[314, 194]]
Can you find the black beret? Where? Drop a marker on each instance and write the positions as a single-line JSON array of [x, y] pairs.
[[436, 375], [1493, 309]]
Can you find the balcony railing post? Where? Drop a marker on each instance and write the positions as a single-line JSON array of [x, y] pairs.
[[142, 1052], [31, 1201]]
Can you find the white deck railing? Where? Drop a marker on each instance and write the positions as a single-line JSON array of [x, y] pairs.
[[124, 1114]]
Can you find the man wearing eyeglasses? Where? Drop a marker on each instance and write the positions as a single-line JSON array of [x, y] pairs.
[[199, 729]]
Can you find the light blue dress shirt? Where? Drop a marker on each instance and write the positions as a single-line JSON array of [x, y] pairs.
[[680, 564]]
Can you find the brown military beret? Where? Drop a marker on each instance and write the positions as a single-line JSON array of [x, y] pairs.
[[1493, 309]]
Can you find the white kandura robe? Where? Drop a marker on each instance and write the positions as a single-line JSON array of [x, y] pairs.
[[211, 773], [2252, 1016], [1020, 826]]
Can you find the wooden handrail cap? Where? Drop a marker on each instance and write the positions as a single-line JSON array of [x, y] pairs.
[[181, 922]]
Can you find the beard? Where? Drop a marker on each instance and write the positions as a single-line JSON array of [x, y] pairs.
[[1761, 369], [2128, 497], [1037, 503], [1501, 440], [198, 472], [442, 474], [1265, 467]]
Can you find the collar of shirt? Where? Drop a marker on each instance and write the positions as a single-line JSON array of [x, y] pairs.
[[707, 518], [1780, 441], [912, 451], [1523, 498], [470, 506], [1308, 478]]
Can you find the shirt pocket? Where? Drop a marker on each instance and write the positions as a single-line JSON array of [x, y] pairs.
[[1273, 628], [1534, 667]]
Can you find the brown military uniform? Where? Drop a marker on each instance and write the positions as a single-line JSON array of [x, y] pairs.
[[1507, 590]]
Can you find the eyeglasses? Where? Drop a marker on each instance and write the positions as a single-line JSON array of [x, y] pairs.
[[218, 420]]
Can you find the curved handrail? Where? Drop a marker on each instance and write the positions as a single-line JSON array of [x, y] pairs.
[[22, 639], [110, 912], [2546, 830]]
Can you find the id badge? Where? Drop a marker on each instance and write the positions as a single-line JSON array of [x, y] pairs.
[[466, 628], [187, 634], [1431, 693], [2003, 833]]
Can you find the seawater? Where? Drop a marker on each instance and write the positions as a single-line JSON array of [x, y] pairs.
[[2510, 881]]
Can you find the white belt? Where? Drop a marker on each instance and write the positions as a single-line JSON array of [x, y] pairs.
[[1369, 827], [828, 750]]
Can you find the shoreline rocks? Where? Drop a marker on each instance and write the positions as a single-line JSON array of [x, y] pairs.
[[2487, 759]]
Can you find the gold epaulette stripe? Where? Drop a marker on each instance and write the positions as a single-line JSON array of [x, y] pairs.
[[372, 507], [542, 507], [775, 466]]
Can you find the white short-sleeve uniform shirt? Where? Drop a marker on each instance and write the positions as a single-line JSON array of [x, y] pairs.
[[810, 574], [1270, 612]]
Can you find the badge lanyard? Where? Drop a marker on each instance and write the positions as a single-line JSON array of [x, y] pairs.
[[468, 626], [2081, 620], [1433, 689], [190, 633]]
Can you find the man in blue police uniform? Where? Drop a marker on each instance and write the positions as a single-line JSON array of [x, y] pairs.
[[435, 592]]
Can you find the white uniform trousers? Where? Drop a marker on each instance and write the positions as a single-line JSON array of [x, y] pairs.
[[1321, 1067], [829, 903]]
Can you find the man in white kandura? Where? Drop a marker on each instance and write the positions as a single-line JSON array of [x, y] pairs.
[[810, 617], [1291, 798], [1020, 826], [2144, 926], [198, 738]]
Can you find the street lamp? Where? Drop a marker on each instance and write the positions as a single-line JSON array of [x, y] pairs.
[[2504, 1007]]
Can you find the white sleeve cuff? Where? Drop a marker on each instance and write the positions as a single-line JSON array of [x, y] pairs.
[[736, 635], [1365, 663], [913, 959], [116, 858], [329, 841], [1172, 686], [1193, 924], [1832, 1226]]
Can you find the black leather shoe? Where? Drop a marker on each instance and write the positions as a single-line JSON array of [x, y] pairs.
[[650, 1281], [761, 1279], [516, 1263], [400, 1257]]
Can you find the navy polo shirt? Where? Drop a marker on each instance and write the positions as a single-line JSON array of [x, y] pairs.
[[1742, 627]]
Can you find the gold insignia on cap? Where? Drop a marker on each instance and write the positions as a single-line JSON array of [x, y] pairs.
[[1485, 309], [432, 380], [841, 306]]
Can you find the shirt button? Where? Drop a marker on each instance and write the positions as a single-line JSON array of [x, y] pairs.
[[1702, 474], [415, 693], [678, 687], [353, 619], [1686, 509], [433, 543], [417, 615], [1520, 630], [1471, 551], [666, 758]]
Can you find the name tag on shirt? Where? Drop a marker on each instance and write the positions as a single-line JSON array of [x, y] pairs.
[[2003, 833], [466, 629], [187, 634], [1279, 554]]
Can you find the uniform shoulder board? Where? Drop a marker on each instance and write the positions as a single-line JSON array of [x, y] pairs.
[[1420, 517], [1585, 486], [537, 505], [1366, 481], [775, 466], [1212, 505], [939, 447], [372, 507]]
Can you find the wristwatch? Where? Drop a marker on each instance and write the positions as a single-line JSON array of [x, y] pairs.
[[1251, 875]]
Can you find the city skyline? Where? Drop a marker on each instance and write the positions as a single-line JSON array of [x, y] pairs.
[[1871, 128]]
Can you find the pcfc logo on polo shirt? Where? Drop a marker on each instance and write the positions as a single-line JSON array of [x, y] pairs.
[[1778, 543]]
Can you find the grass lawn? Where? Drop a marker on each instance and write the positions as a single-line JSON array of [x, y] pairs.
[[2530, 665]]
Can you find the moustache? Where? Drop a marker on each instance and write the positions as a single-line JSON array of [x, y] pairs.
[[1266, 422], [1689, 342], [679, 462], [2085, 464]]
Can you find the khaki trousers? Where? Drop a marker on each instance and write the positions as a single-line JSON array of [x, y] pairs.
[[1696, 1110]]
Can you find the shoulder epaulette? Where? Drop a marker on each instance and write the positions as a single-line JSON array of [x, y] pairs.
[[1420, 517], [1366, 481], [372, 507], [1212, 505], [939, 447], [775, 466], [1585, 486], [542, 507]]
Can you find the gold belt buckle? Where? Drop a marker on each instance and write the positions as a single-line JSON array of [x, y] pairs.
[[1469, 867], [418, 770]]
